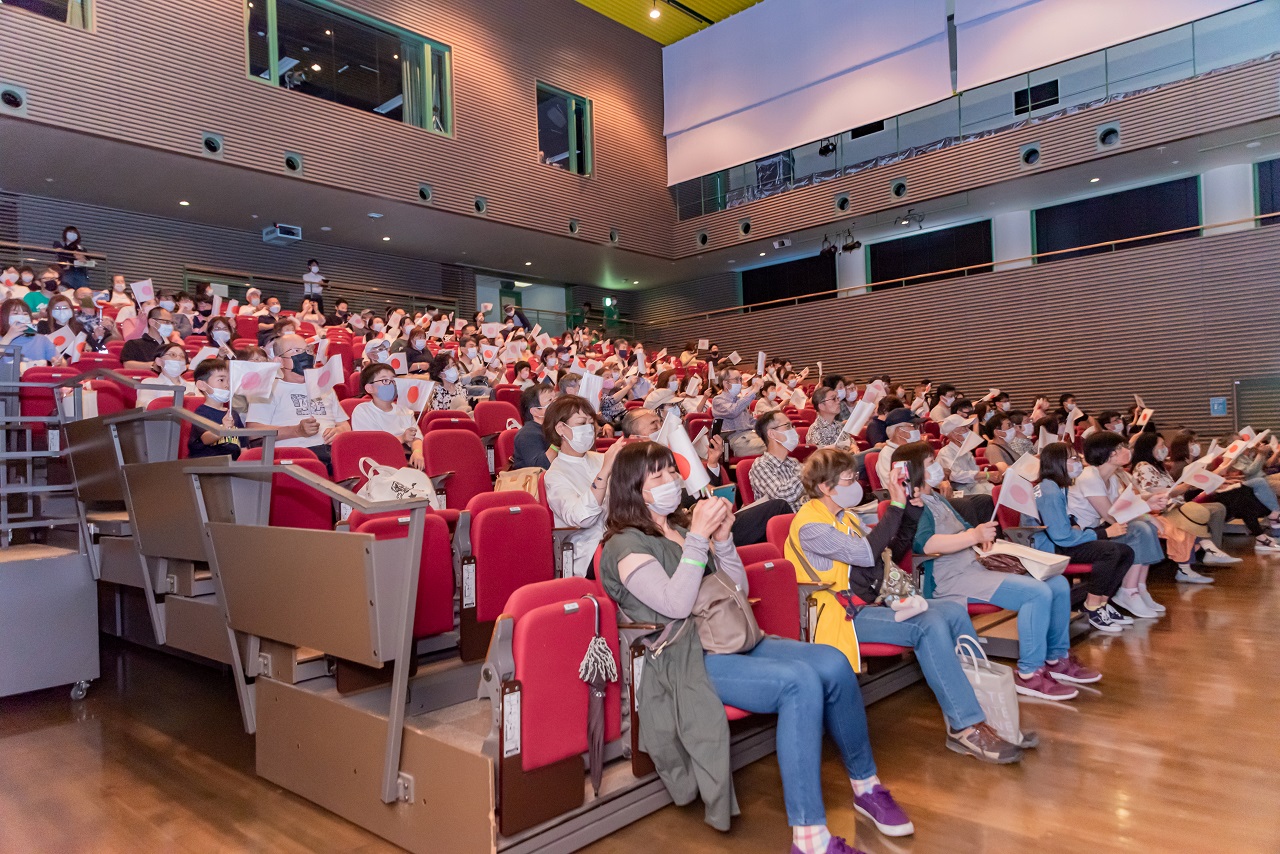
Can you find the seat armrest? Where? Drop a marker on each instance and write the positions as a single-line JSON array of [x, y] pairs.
[[1023, 534], [437, 480]]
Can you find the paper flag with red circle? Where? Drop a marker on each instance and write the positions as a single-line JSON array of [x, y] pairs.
[[1018, 493], [798, 398], [488, 352], [320, 381], [675, 438], [399, 362], [254, 380], [1129, 506], [322, 352], [143, 291], [438, 329], [491, 330], [1027, 467], [1201, 478], [63, 340], [414, 393], [1144, 417]]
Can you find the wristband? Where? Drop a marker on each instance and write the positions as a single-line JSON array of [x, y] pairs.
[[899, 504], [702, 565]]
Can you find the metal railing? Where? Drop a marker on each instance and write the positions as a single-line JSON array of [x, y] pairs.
[[94, 266]]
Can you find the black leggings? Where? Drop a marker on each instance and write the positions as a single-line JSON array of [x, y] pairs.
[[1110, 562], [1241, 503]]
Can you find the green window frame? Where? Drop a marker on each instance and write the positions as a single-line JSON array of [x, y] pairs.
[[426, 66], [579, 158]]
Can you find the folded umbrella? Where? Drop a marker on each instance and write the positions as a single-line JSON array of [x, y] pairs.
[[597, 668]]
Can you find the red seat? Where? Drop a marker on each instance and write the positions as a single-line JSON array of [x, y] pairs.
[[247, 327], [114, 346], [447, 419], [802, 452], [492, 416], [633, 404], [349, 404], [353, 384], [756, 552], [504, 449], [112, 398], [928, 427], [869, 463], [293, 503], [243, 343], [695, 422], [604, 443], [777, 530], [39, 402], [743, 474], [1008, 518], [433, 614], [190, 402], [508, 393], [90, 361], [198, 340], [510, 547], [347, 449], [772, 584], [460, 452]]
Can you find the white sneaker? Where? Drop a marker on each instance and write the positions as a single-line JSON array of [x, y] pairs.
[[1214, 556], [1116, 617], [1131, 601], [1149, 602], [1266, 545], [1187, 575]]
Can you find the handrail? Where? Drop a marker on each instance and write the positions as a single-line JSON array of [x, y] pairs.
[[180, 414], [315, 481], [986, 267], [31, 247], [93, 373], [253, 280]]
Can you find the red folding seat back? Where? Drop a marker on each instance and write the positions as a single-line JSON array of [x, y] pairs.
[[743, 474], [39, 402], [931, 428], [508, 394], [802, 452], [447, 419], [772, 585], [504, 449], [243, 343], [461, 452], [190, 402], [349, 404], [247, 327], [869, 463], [347, 449], [112, 398], [777, 530], [114, 346], [433, 614], [197, 340], [353, 385], [756, 552], [90, 361], [512, 547], [506, 498], [492, 416], [533, 596], [281, 454], [295, 504]]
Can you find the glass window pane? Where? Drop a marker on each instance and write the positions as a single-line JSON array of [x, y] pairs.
[[564, 130], [1150, 61], [1237, 35], [259, 39], [72, 12]]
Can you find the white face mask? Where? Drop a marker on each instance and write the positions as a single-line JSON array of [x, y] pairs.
[[551, 361], [27, 279], [420, 344], [167, 304], [934, 475], [274, 309], [62, 315], [164, 330], [1117, 429], [383, 356], [582, 438], [792, 383], [72, 237], [847, 494], [1009, 434], [222, 395], [174, 367], [948, 400], [665, 498], [315, 268], [185, 308], [471, 352], [1074, 468], [1005, 406], [1028, 429], [790, 438], [913, 436], [450, 375], [377, 327], [840, 394], [1161, 454], [735, 388], [221, 336], [20, 320], [118, 287], [1194, 449], [254, 300]]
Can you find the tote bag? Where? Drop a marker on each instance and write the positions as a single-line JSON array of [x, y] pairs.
[[993, 685], [385, 483], [1038, 564]]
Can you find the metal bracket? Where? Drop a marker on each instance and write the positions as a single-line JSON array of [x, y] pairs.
[[264, 665], [404, 787], [171, 583]]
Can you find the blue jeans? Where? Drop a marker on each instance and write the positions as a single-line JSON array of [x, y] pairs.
[[933, 637], [1265, 493], [807, 685], [1144, 538], [1044, 617]]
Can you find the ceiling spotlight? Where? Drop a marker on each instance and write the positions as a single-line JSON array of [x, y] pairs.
[[325, 228], [849, 243], [185, 203], [315, 66], [375, 216], [762, 254], [827, 148], [386, 238], [828, 248], [655, 13], [635, 281], [1094, 180], [911, 217], [528, 263]]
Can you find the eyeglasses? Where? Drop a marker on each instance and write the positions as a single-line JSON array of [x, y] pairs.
[[786, 426], [383, 381]]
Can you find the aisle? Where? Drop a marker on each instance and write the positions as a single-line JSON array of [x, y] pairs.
[[1175, 750]]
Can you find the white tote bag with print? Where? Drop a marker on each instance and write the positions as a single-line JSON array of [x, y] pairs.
[[993, 685]]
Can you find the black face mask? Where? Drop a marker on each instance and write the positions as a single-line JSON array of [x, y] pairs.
[[205, 312], [303, 362]]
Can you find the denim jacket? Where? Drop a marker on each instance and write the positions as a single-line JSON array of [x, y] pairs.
[[1051, 501]]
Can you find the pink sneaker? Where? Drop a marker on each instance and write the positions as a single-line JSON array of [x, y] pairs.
[[1041, 684], [837, 845], [1070, 669]]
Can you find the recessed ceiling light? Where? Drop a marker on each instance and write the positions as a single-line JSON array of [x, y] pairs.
[[1254, 144], [325, 228], [1176, 162], [315, 66], [375, 216], [762, 254], [635, 281], [253, 216], [185, 203], [732, 261], [50, 180], [328, 32], [386, 238], [1094, 180], [528, 263]]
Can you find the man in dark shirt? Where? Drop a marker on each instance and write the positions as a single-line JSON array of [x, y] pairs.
[[340, 314], [531, 445], [140, 353]]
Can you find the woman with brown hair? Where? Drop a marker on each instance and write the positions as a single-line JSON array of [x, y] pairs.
[[653, 568]]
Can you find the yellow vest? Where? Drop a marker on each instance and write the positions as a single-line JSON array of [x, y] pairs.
[[828, 621]]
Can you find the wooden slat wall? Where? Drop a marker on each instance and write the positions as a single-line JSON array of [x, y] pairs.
[[1180, 110], [1176, 323], [158, 73], [628, 301], [706, 294], [142, 247], [459, 284]]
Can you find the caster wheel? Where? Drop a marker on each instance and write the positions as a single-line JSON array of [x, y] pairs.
[[79, 690]]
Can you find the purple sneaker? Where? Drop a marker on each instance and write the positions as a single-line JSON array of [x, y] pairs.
[[837, 845], [879, 806]]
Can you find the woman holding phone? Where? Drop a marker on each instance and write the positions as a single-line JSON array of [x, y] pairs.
[[1046, 668]]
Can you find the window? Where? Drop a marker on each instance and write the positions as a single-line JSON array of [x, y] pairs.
[[798, 278], [73, 13], [564, 130], [1035, 97], [340, 56], [1158, 208], [931, 252], [1269, 191]]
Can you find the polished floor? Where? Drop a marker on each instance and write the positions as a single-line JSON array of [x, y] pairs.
[[1176, 749]]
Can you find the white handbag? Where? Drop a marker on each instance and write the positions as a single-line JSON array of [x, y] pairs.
[[993, 685], [1038, 564], [384, 483]]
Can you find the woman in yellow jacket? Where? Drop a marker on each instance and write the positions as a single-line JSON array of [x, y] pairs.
[[827, 543]]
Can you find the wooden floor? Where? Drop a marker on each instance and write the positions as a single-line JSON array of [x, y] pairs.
[[1177, 749]]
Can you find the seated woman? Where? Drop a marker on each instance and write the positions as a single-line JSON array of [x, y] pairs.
[[19, 333], [653, 567], [221, 332], [170, 365], [828, 541], [380, 412], [448, 393], [1045, 662], [1059, 467], [576, 480], [1089, 501], [310, 313]]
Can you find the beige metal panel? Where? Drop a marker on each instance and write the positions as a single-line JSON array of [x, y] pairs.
[[1175, 322], [1177, 111], [154, 77], [301, 587], [197, 625], [163, 507]]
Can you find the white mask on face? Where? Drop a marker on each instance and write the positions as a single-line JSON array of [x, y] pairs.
[[274, 309], [471, 352], [1028, 429], [1074, 468], [449, 375], [790, 438], [222, 395], [21, 321], [582, 438], [551, 361], [167, 304], [174, 367], [315, 268], [1161, 454], [420, 344], [913, 436], [1194, 449], [847, 494], [72, 237], [254, 300], [1009, 434], [735, 388], [934, 475], [377, 327], [1118, 429], [1005, 406], [840, 394], [665, 498], [792, 383], [27, 279], [118, 287], [61, 315], [221, 336], [948, 400], [164, 330]]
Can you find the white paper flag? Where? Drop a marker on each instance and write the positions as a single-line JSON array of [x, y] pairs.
[[704, 344], [414, 393], [734, 358], [399, 363], [202, 354], [590, 387], [1018, 493], [1128, 506], [438, 329], [253, 379], [322, 352], [971, 441], [1198, 476], [798, 399], [760, 364], [143, 291], [1027, 467], [63, 340], [674, 438], [1144, 417], [491, 330], [321, 380], [486, 306]]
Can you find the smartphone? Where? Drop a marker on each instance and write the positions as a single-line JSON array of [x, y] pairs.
[[716, 426], [902, 467]]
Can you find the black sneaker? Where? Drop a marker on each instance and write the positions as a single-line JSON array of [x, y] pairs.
[[1116, 617], [1101, 620]]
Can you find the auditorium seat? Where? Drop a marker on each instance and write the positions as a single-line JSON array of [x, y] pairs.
[[295, 504], [433, 614], [509, 394], [504, 449], [756, 552], [349, 404], [743, 475], [347, 449], [873, 477], [447, 419], [462, 453], [492, 416]]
